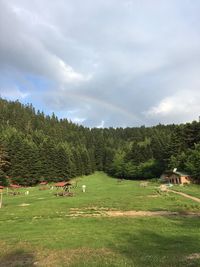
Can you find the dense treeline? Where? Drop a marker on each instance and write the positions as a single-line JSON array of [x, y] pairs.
[[35, 147]]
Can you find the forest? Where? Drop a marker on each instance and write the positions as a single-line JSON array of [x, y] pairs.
[[35, 147]]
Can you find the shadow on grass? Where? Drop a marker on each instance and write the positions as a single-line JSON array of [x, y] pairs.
[[18, 258], [161, 248]]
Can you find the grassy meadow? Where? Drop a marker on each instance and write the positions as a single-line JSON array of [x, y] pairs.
[[41, 229]]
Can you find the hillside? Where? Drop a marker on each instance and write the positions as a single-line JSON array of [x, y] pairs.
[[36, 147]]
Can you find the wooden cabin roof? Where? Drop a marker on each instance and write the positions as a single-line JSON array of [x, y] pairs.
[[176, 173], [61, 184], [44, 183]]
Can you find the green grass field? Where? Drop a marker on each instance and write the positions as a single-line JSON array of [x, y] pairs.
[[71, 231]]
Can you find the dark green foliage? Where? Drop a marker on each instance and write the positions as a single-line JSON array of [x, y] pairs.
[[42, 147], [192, 162], [35, 147], [3, 179], [4, 165]]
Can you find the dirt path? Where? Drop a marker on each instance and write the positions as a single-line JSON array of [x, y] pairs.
[[103, 212], [132, 213], [185, 195]]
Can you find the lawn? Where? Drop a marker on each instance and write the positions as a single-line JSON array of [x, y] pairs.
[[47, 232]]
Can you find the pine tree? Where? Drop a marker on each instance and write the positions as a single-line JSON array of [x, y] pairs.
[[4, 165]]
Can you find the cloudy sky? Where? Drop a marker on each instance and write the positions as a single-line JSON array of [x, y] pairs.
[[103, 62]]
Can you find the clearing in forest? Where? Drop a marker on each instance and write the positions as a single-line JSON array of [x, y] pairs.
[[111, 224]]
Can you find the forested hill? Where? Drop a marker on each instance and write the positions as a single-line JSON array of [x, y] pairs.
[[35, 147]]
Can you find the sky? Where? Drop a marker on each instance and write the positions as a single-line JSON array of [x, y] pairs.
[[103, 63]]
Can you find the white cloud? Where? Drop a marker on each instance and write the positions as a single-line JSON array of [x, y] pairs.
[[101, 125], [23, 49], [181, 107], [121, 63], [67, 74], [78, 120], [13, 93]]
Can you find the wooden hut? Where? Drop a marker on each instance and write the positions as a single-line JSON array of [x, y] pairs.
[[15, 186], [175, 177], [1, 188], [44, 183], [64, 185]]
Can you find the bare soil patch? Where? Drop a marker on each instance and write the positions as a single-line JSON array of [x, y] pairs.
[[133, 213], [24, 205], [105, 212], [151, 196], [193, 256]]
